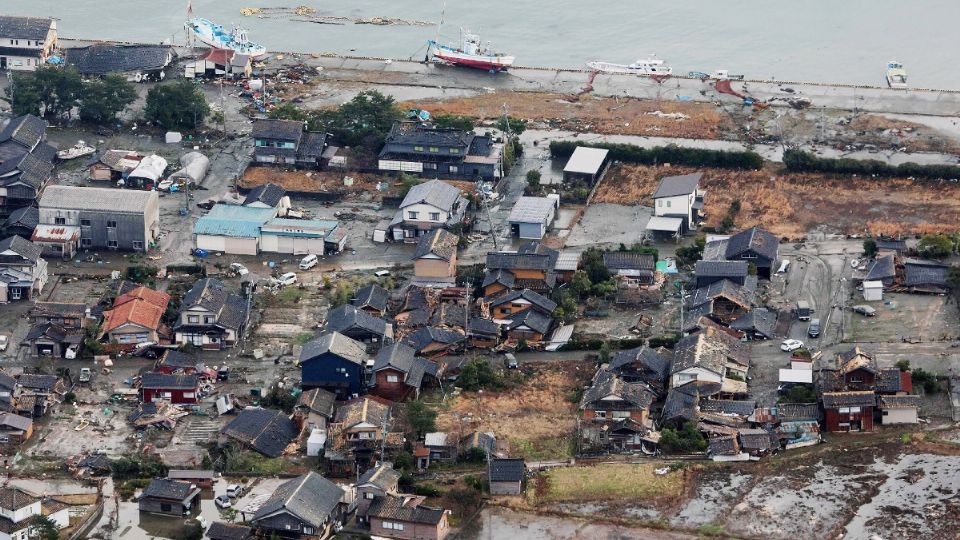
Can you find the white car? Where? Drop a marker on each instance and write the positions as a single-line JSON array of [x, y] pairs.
[[287, 279], [239, 269], [4, 342], [790, 345], [309, 262], [223, 501]]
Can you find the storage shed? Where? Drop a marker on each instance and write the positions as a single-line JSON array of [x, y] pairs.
[[587, 164], [873, 291], [301, 236], [532, 216], [232, 229]]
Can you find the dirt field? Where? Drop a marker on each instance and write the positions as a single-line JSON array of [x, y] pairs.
[[536, 419], [312, 181], [609, 482], [875, 129], [907, 315], [622, 116], [790, 205]]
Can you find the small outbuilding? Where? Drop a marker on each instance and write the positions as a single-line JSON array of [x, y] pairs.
[[169, 497], [873, 291], [532, 216], [506, 476], [587, 164]]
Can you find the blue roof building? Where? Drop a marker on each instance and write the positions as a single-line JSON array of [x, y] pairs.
[[232, 229]]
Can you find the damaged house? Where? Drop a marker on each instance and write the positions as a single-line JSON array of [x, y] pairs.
[[398, 372], [615, 414], [636, 276], [530, 267], [26, 161], [755, 246], [724, 301], [138, 63], [711, 356], [261, 430]]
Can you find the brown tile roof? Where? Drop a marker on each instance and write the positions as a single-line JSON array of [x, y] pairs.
[[141, 306]]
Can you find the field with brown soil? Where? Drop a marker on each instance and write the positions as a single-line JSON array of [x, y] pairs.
[[536, 417], [621, 116], [790, 205], [876, 129], [311, 181]]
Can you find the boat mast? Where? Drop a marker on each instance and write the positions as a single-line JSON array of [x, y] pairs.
[[443, 11]]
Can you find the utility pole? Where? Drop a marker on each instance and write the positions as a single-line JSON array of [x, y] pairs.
[[493, 232]]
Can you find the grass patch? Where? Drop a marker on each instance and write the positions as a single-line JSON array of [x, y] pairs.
[[303, 338], [289, 295], [711, 530], [609, 482], [543, 449]]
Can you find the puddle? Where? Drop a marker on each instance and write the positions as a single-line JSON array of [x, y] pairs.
[[504, 523], [716, 493]]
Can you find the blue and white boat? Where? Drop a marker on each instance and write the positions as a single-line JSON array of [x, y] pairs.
[[215, 36]]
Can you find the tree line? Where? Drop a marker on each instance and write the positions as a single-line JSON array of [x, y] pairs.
[[695, 157], [802, 161]]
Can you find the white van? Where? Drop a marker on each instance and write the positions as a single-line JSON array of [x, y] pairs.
[[309, 262]]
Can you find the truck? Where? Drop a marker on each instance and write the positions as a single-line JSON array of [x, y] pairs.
[[85, 375], [803, 310]]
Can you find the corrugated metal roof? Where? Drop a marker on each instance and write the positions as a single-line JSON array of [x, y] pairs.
[[531, 210], [668, 224], [586, 160], [101, 199], [229, 220]]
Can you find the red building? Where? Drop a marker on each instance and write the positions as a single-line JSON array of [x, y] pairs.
[[178, 389], [858, 369], [849, 411], [399, 372]]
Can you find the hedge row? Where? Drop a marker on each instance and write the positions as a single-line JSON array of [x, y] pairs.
[[800, 161], [672, 154], [579, 344]]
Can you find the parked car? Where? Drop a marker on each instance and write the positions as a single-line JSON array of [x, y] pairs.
[[286, 279], [85, 375], [511, 361], [790, 345], [382, 273], [309, 262], [866, 311], [239, 269], [234, 490], [4, 342], [222, 501], [814, 329], [803, 310]]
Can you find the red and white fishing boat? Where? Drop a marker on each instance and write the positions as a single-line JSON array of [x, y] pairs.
[[470, 53]]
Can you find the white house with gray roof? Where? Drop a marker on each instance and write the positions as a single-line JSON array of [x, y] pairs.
[[427, 206], [26, 42], [306, 506], [210, 316], [23, 273], [677, 205], [125, 220]]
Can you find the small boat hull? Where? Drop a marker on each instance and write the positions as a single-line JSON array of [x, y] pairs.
[[486, 62], [638, 68], [215, 36]]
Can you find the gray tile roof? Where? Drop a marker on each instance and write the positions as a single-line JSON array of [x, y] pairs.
[[103, 58], [345, 317], [627, 260], [710, 350], [721, 268], [672, 186], [269, 128], [501, 276], [163, 488], [407, 133], [506, 470], [266, 431], [793, 412], [334, 343], [925, 274], [649, 360], [51, 331], [311, 498], [890, 380], [431, 334], [28, 130], [482, 327], [439, 242], [536, 299], [724, 287], [383, 476], [753, 239], [367, 410], [91, 198], [32, 28], [162, 381], [228, 531], [403, 358], [728, 406], [531, 210], [177, 360], [760, 320], [268, 194], [211, 294], [883, 267], [531, 318], [607, 384], [396, 508], [27, 217], [530, 256], [433, 192], [22, 247], [319, 401], [681, 403], [38, 382], [895, 402], [724, 445], [373, 296], [833, 400], [756, 440]]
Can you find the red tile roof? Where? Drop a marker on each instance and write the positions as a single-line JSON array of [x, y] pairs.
[[141, 306]]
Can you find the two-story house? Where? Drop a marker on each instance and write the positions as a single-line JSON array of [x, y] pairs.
[[359, 325], [530, 267], [711, 356], [373, 299], [25, 162], [509, 303], [67, 315], [334, 362], [308, 506], [642, 365], [677, 205], [405, 517], [23, 273], [615, 413], [857, 369], [177, 389], [26, 42], [169, 497], [435, 259], [210, 317], [427, 206], [363, 421], [287, 142], [135, 317], [377, 481], [105, 218], [314, 409], [398, 372], [56, 329], [753, 246], [433, 152], [17, 510]]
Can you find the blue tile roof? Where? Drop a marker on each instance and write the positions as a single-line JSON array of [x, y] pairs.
[[238, 221]]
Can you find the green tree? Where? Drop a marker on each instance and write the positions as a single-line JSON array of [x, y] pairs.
[[903, 365], [49, 91], [689, 255], [422, 419], [44, 528], [478, 375], [935, 245], [24, 95], [591, 261], [605, 352], [580, 284], [685, 440], [363, 121], [453, 121], [177, 105], [799, 394], [869, 247], [474, 455], [280, 398], [533, 179], [104, 98], [287, 111], [517, 126]]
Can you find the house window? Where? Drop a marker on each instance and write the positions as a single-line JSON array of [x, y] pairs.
[[86, 242], [844, 410], [621, 414], [59, 221], [454, 150], [84, 222], [660, 203], [454, 169], [393, 525], [413, 215], [854, 410], [748, 255], [209, 319], [601, 414], [15, 293], [137, 244], [307, 530], [111, 224], [506, 311], [189, 395], [165, 507], [112, 244], [668, 204], [393, 378], [856, 379], [429, 166], [193, 319], [368, 495], [435, 216], [418, 149], [434, 149]]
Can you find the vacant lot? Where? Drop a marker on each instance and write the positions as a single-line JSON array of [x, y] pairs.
[[906, 315], [313, 181], [791, 205], [621, 116], [536, 418], [608, 482]]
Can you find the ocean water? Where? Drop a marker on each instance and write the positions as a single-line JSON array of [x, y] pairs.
[[846, 41]]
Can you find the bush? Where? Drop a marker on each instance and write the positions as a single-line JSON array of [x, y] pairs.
[[801, 161], [928, 380], [799, 394], [673, 154], [474, 455], [422, 419], [869, 247], [478, 375], [177, 105], [126, 468], [426, 490], [668, 341], [689, 255], [903, 365], [475, 482], [937, 246], [453, 121], [686, 440]]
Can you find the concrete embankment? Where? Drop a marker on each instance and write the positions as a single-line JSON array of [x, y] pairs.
[[526, 79]]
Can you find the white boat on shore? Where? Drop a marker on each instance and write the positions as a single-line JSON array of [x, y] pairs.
[[651, 66], [896, 75], [218, 37], [78, 150]]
